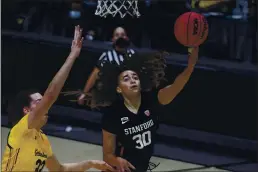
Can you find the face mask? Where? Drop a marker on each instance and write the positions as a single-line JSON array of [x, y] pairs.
[[75, 14], [122, 43]]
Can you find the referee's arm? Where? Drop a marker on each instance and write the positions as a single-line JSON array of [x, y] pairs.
[[91, 80]]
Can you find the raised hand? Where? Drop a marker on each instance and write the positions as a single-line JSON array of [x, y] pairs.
[[77, 42], [193, 56]]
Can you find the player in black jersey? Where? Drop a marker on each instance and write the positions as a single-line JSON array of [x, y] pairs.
[[130, 122], [130, 119], [132, 127]]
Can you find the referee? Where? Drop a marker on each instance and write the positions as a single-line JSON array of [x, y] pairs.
[[117, 54]]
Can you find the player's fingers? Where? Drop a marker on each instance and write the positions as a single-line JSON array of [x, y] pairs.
[[118, 170], [196, 49], [80, 42], [127, 169], [82, 39], [195, 52], [80, 33], [108, 167], [73, 43], [131, 166], [190, 50], [121, 169], [76, 32], [74, 35]]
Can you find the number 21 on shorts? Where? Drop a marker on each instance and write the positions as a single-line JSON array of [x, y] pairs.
[[142, 140]]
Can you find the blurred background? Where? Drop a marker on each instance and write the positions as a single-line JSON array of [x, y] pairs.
[[232, 23], [217, 110]]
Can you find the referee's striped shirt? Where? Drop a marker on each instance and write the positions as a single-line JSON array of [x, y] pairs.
[[113, 55]]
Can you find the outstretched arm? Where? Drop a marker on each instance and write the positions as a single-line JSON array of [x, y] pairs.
[[54, 165], [167, 94], [54, 88], [109, 144]]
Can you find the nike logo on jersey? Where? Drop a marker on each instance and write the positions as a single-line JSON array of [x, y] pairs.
[[124, 120]]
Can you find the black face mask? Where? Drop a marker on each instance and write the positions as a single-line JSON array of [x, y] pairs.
[[122, 43]]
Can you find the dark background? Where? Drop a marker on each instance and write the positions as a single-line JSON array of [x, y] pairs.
[[228, 39]]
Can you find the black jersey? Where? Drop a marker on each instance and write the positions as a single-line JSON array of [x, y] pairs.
[[136, 133]]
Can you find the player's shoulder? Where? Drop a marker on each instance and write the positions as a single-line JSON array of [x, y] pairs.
[[43, 134], [21, 125], [45, 137], [45, 143], [17, 132]]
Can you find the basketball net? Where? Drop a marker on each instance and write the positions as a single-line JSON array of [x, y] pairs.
[[114, 7]]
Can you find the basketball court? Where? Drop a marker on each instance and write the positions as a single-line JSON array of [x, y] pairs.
[[73, 151]]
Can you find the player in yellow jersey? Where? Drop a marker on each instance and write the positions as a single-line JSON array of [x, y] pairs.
[[28, 148]]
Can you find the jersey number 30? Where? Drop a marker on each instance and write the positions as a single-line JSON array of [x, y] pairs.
[[40, 165], [143, 139]]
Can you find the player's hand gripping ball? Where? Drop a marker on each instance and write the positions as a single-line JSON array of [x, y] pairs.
[[191, 29]]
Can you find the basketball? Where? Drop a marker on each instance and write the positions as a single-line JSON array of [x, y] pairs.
[[191, 29]]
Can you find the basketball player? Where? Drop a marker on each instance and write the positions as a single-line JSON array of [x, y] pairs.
[[117, 54], [131, 119], [28, 148]]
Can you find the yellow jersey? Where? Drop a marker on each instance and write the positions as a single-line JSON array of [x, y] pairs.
[[27, 149]]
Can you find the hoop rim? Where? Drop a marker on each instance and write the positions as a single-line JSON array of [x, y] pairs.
[[114, 7]]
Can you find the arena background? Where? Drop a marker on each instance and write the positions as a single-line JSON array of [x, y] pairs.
[[215, 113]]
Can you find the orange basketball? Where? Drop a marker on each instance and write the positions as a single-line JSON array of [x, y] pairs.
[[191, 29]]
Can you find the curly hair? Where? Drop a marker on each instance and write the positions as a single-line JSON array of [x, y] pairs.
[[150, 68]]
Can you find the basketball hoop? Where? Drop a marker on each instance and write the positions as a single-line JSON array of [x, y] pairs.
[[114, 7]]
